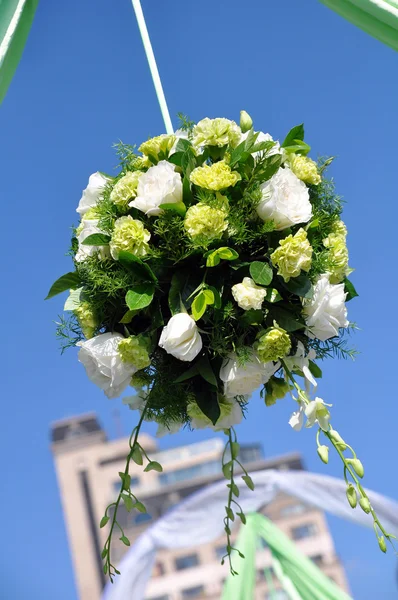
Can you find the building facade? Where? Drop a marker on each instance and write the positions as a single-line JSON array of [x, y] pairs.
[[87, 466]]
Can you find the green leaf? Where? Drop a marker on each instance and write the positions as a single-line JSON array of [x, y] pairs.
[[299, 147], [104, 521], [140, 296], [183, 145], [267, 168], [227, 470], [205, 370], [350, 289], [186, 191], [300, 286], [235, 489], [74, 299], [262, 146], [199, 306], [286, 319], [176, 158], [209, 296], [128, 316], [177, 207], [235, 450], [314, 369], [125, 540], [188, 374], [297, 133], [248, 481], [104, 553], [225, 253], [126, 480], [137, 266], [183, 284], [230, 513], [242, 517], [153, 466], [140, 507], [97, 239], [206, 398], [128, 502], [66, 282], [252, 316], [217, 297], [137, 456], [273, 295], [261, 272]]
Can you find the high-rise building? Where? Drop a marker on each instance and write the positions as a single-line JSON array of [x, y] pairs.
[[87, 466]]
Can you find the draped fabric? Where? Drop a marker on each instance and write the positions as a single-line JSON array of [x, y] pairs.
[[200, 518], [16, 18], [379, 18], [301, 579]]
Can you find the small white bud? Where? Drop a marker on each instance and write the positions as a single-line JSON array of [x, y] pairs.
[[246, 122], [323, 452]]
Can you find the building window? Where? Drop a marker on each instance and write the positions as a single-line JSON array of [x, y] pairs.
[[251, 453], [158, 569], [292, 509], [304, 531], [193, 592], [200, 470], [220, 552], [317, 559], [186, 562], [134, 482], [166, 597]]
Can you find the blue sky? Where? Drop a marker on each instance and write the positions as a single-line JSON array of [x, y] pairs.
[[83, 83]]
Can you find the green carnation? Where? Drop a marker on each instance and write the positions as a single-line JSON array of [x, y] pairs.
[[86, 318], [158, 147], [338, 256], [339, 227], [205, 223], [305, 169], [273, 344], [216, 132], [217, 176], [125, 189], [134, 350], [276, 389], [129, 235], [293, 255]]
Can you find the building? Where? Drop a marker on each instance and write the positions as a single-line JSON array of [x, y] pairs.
[[87, 466]]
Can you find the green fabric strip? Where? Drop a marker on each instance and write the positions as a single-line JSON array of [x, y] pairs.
[[379, 18], [16, 18], [298, 575]]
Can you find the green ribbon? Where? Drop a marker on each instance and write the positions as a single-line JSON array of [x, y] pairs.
[[16, 18], [298, 575]]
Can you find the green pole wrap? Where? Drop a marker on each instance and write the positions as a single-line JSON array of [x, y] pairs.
[[379, 18], [298, 575], [16, 18]]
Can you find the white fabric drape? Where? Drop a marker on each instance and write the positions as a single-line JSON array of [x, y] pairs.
[[200, 518]]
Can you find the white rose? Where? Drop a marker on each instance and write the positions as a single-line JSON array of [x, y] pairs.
[[326, 312], [159, 185], [248, 295], [243, 380], [88, 227], [181, 338], [285, 199], [96, 185], [264, 137], [105, 368]]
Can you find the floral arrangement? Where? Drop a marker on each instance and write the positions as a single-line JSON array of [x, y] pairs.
[[213, 265]]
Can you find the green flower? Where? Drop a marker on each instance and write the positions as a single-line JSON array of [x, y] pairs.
[[305, 169], [129, 235], [86, 318], [273, 344], [205, 223], [134, 350], [216, 132], [158, 147], [340, 228], [293, 255], [125, 189], [217, 176], [276, 388], [338, 257]]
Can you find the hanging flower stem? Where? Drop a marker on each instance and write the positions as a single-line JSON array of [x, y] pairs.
[[352, 467]]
